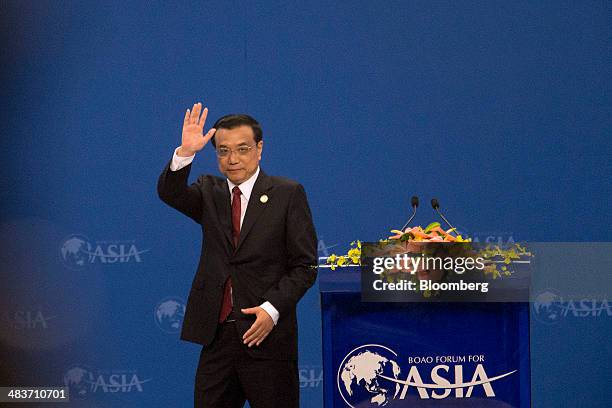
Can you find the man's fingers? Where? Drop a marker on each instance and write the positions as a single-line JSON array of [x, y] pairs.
[[197, 118], [247, 335], [193, 108], [203, 118], [257, 337], [186, 120], [254, 331], [195, 113], [262, 338], [251, 337], [250, 310], [199, 112], [254, 342], [254, 338], [258, 330], [209, 135], [251, 330]]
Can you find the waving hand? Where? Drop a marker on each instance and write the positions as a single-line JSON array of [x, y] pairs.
[[193, 139]]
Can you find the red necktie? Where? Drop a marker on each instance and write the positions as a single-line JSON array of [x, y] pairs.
[[226, 306]]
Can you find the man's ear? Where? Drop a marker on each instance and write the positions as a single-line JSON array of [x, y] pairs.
[[259, 148]]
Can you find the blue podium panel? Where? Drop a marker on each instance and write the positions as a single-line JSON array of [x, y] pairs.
[[421, 354]]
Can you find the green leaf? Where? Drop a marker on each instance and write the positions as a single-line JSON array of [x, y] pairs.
[[431, 226]]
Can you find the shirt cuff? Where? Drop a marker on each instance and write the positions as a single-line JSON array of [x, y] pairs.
[[178, 162], [271, 310]]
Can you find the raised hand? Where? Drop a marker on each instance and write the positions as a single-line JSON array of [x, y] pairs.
[[193, 139]]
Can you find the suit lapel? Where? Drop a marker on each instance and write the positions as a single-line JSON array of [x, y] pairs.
[[255, 207], [222, 202]]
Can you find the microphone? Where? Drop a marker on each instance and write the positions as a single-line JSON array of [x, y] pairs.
[[414, 202], [436, 206]]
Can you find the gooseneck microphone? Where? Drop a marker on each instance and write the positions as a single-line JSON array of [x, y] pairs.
[[436, 206], [414, 202]]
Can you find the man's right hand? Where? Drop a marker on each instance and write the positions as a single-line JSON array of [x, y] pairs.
[[193, 139]]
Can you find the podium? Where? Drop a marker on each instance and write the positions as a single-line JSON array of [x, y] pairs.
[[420, 354]]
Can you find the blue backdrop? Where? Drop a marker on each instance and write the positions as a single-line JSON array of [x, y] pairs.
[[501, 110]]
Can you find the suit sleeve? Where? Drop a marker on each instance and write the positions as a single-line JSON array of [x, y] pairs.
[[173, 190], [302, 255]]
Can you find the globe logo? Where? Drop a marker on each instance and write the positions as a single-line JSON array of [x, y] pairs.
[[547, 307], [169, 314], [359, 376], [78, 380], [76, 252]]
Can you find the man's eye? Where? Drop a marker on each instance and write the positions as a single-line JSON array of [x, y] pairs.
[[243, 149]]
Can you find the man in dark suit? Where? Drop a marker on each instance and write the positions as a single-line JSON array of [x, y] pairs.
[[259, 256]]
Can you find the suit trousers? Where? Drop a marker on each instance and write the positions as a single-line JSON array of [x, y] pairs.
[[227, 376]]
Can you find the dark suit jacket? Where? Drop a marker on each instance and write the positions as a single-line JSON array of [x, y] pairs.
[[275, 259]]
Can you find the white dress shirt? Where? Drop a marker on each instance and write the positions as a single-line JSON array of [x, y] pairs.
[[246, 188]]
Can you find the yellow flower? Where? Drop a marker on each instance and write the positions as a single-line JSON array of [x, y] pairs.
[[355, 255]]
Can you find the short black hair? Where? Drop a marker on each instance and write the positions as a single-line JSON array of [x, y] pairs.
[[234, 120]]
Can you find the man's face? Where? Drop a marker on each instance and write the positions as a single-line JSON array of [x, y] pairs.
[[235, 166]]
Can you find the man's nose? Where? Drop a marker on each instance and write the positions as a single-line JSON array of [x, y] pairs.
[[232, 158]]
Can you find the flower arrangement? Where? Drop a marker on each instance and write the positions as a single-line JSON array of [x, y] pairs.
[[497, 259], [432, 233]]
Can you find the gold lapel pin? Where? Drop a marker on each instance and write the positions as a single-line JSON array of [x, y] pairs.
[[263, 198]]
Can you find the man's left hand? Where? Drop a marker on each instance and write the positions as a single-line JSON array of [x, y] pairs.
[[260, 329]]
